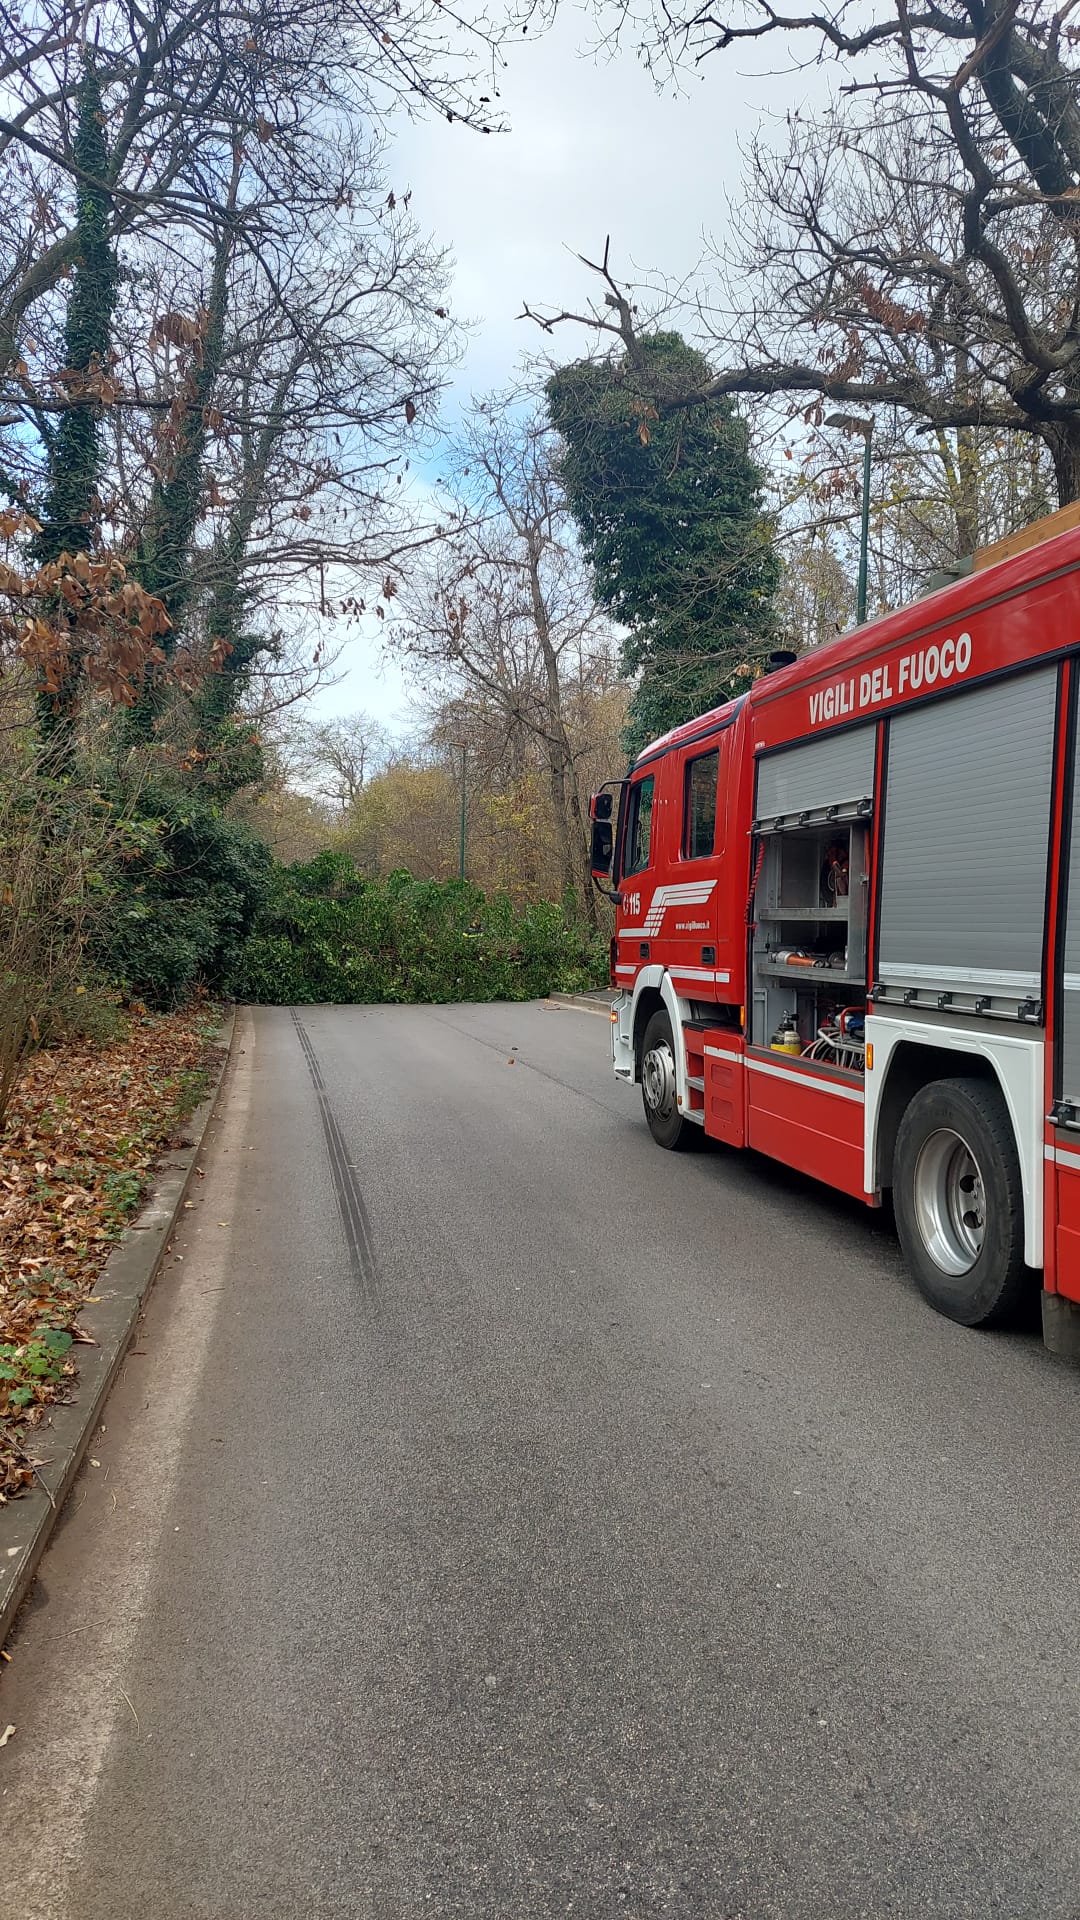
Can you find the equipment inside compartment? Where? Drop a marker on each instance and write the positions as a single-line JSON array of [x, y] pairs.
[[841, 1040], [809, 953]]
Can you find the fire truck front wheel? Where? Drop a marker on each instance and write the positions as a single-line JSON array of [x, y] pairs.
[[959, 1202], [666, 1123]]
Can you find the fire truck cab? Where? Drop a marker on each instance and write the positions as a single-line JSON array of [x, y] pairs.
[[848, 930]]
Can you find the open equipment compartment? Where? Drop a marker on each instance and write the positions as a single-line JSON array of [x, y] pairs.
[[809, 959]]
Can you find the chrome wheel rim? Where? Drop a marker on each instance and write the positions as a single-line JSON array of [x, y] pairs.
[[658, 1080], [950, 1201]]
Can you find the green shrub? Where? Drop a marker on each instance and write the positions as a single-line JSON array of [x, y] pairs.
[[325, 933], [61, 845], [186, 898], [91, 1011]]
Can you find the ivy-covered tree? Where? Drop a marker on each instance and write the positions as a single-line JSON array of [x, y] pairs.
[[163, 561], [69, 507], [669, 508]]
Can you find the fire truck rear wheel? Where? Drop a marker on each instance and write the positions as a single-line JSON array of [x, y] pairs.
[[959, 1204], [666, 1123]]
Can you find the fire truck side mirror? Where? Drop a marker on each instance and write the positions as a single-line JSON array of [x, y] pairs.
[[603, 849], [601, 806]]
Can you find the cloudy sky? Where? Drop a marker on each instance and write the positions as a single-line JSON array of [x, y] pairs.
[[593, 149]]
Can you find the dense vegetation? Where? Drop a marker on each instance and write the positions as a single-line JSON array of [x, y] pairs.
[[325, 933], [669, 509], [184, 902]]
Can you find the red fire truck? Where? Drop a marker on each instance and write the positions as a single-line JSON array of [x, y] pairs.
[[848, 930]]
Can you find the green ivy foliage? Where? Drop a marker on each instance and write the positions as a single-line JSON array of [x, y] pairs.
[[668, 503], [327, 934], [186, 898]]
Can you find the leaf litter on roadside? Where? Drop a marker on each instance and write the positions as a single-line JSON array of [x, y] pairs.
[[85, 1126]]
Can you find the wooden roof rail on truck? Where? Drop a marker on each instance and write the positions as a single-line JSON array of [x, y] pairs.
[[1063, 521]]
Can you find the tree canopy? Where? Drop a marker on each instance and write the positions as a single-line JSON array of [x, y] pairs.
[[909, 246], [668, 502]]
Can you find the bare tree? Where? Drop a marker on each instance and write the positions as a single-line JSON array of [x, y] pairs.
[[336, 757], [296, 80], [278, 329], [917, 245], [928, 509], [505, 612], [816, 600]]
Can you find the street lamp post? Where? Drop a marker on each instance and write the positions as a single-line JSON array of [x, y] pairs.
[[852, 423], [461, 843]]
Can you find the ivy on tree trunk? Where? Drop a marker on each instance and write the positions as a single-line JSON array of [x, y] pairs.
[[163, 562], [68, 511]]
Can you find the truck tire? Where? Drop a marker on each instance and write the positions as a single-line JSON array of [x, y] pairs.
[[666, 1123], [959, 1202]]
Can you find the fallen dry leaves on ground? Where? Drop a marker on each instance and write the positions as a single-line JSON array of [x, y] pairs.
[[84, 1129]]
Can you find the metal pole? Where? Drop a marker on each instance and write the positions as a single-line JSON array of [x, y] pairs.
[[864, 538], [461, 860]]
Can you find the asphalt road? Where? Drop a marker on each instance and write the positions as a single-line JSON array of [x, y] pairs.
[[499, 1519]]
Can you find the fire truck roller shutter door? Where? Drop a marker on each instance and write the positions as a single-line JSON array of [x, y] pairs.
[[836, 770], [967, 826]]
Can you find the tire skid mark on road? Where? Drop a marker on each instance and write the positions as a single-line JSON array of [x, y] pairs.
[[444, 1677], [354, 1213]]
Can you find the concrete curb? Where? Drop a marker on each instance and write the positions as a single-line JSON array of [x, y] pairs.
[[584, 1002], [123, 1285]]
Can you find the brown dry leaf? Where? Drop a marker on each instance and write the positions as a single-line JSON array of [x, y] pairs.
[[79, 1117], [175, 328]]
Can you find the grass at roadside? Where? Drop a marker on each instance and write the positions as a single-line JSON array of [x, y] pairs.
[[85, 1127]]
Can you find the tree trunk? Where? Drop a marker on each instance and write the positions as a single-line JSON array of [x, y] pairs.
[[573, 844], [557, 784], [162, 563], [968, 514], [1063, 439], [68, 512], [967, 503]]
